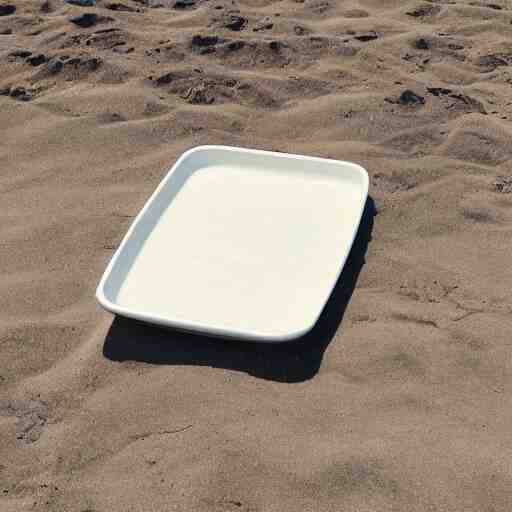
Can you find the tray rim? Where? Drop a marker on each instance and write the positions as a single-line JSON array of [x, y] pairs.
[[206, 330]]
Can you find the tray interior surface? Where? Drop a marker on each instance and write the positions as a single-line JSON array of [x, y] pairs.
[[239, 244]]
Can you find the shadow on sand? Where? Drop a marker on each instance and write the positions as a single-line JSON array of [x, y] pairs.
[[296, 361]]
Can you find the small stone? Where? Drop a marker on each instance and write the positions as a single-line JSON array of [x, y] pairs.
[[184, 4], [91, 64], [55, 65], [111, 117], [17, 91], [21, 94], [234, 46], [276, 46], [82, 3], [85, 20], [369, 36], [6, 32], [409, 97], [424, 10], [74, 61], [204, 41], [165, 79], [234, 22], [115, 6], [7, 9], [37, 60], [422, 44]]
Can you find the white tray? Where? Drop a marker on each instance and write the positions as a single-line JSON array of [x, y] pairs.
[[238, 242]]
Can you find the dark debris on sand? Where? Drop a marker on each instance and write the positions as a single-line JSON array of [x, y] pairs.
[[7, 9], [233, 21], [85, 20], [408, 97]]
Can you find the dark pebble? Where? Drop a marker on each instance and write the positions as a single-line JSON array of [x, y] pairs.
[[422, 44], [276, 45], [165, 79], [184, 4], [85, 20], [235, 22], [204, 41], [364, 38], [20, 93], [82, 3], [409, 97], [37, 60], [7, 9], [120, 7], [234, 46], [424, 10], [55, 65], [74, 61], [91, 64]]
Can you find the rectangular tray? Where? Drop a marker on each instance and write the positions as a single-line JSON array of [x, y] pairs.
[[238, 243]]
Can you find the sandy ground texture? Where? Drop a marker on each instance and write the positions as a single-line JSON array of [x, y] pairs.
[[401, 397]]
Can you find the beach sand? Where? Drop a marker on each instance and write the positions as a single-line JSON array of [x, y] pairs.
[[401, 397]]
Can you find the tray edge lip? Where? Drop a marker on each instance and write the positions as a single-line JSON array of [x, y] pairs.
[[194, 327]]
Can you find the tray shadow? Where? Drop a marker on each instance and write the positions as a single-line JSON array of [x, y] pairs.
[[295, 361]]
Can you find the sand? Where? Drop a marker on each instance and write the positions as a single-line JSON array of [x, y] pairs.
[[401, 397]]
